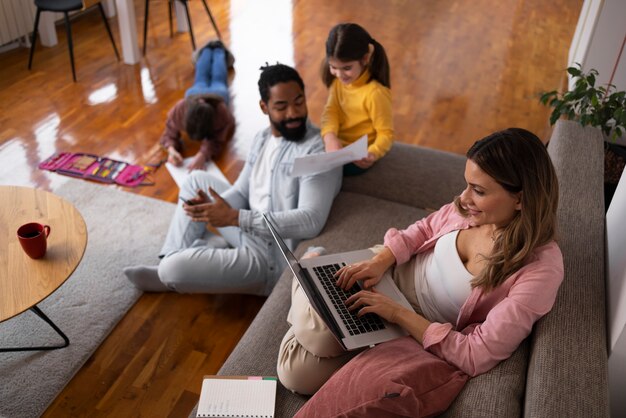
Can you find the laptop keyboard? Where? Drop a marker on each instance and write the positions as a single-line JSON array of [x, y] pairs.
[[367, 323]]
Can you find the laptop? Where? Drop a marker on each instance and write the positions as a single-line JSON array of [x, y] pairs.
[[316, 277]]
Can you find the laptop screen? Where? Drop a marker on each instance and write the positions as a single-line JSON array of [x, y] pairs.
[[291, 259], [305, 281]]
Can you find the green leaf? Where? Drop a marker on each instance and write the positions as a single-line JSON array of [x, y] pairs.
[[591, 79], [588, 104], [618, 96], [571, 115], [547, 95], [584, 120], [574, 72], [554, 116]]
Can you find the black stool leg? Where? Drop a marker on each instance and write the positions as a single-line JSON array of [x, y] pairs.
[[33, 39], [145, 28], [217, 31], [68, 29], [106, 23], [193, 41]]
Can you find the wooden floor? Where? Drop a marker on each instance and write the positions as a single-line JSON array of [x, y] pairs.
[[460, 70]]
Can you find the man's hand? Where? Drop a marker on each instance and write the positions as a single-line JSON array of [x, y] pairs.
[[331, 142], [218, 212], [198, 162], [174, 157], [366, 162]]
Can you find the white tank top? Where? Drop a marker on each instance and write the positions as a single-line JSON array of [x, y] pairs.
[[442, 283]]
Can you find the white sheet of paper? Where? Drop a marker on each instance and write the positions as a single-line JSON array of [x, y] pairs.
[[179, 174], [318, 163], [221, 397]]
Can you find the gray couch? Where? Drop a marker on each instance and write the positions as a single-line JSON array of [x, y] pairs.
[[561, 369]]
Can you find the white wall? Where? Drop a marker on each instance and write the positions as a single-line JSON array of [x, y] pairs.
[[599, 43], [616, 294], [598, 40], [616, 266]]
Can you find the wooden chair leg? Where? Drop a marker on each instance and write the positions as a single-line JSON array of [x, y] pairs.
[[33, 39], [217, 31], [193, 41], [106, 23], [145, 28], [70, 46]]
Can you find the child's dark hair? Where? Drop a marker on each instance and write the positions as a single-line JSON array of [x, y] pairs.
[[199, 118], [350, 42], [274, 74]]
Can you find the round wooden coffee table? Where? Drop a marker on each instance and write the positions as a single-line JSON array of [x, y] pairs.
[[25, 282]]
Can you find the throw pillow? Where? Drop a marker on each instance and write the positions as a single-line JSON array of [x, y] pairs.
[[396, 378]]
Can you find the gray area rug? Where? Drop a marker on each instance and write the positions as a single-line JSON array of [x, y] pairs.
[[123, 229]]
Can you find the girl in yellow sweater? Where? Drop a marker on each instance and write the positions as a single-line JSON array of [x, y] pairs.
[[356, 71]]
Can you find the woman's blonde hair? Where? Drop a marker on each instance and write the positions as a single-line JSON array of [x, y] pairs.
[[519, 162]]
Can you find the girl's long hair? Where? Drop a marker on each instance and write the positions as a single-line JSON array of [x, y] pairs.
[[350, 42], [519, 162]]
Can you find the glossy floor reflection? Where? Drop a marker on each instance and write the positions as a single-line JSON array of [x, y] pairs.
[[259, 35], [459, 72]]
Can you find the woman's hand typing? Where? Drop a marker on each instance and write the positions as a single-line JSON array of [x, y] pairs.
[[367, 301], [368, 271], [370, 301]]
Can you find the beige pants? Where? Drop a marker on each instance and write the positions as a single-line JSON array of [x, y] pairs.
[[309, 354]]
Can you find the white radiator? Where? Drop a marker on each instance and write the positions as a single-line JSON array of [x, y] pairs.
[[16, 19]]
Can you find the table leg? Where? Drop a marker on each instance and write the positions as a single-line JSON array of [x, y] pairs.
[[128, 31], [181, 17], [39, 313]]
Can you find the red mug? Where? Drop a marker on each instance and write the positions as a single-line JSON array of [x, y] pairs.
[[33, 237]]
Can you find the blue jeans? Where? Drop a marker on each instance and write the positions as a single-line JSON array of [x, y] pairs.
[[211, 74]]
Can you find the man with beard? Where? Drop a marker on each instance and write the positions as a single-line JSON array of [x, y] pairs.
[[243, 257]]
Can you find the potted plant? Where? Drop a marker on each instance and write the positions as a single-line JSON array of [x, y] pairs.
[[601, 107]]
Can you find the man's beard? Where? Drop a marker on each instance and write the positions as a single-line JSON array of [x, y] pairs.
[[291, 134]]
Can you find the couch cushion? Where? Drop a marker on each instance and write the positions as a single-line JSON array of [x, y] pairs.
[[497, 393], [357, 221], [412, 175], [568, 373], [396, 378]]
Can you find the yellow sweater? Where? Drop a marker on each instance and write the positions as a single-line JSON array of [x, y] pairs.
[[360, 108]]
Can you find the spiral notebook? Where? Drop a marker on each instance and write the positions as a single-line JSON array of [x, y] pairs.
[[237, 396]]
